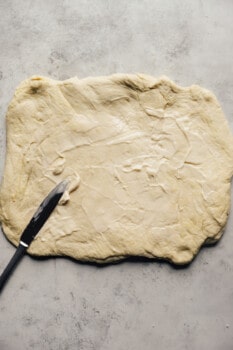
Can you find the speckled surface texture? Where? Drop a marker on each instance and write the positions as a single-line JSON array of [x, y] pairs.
[[60, 304]]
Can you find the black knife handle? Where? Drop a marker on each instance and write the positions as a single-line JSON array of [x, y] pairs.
[[12, 264]]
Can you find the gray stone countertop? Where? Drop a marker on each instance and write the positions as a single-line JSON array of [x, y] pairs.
[[59, 304]]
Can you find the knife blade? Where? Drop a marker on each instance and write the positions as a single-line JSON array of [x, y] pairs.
[[37, 221]]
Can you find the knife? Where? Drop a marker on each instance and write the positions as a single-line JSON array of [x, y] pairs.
[[37, 221]]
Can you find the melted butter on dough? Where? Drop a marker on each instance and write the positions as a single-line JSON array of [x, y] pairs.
[[149, 166]]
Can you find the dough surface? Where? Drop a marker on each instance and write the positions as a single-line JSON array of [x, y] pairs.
[[149, 165]]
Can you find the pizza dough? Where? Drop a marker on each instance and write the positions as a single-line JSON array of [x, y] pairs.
[[149, 165]]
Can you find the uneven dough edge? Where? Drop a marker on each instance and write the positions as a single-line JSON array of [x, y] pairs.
[[141, 83]]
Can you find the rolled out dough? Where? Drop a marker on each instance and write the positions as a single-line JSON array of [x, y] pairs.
[[149, 165]]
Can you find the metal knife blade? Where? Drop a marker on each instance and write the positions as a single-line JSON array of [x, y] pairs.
[[38, 220]]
